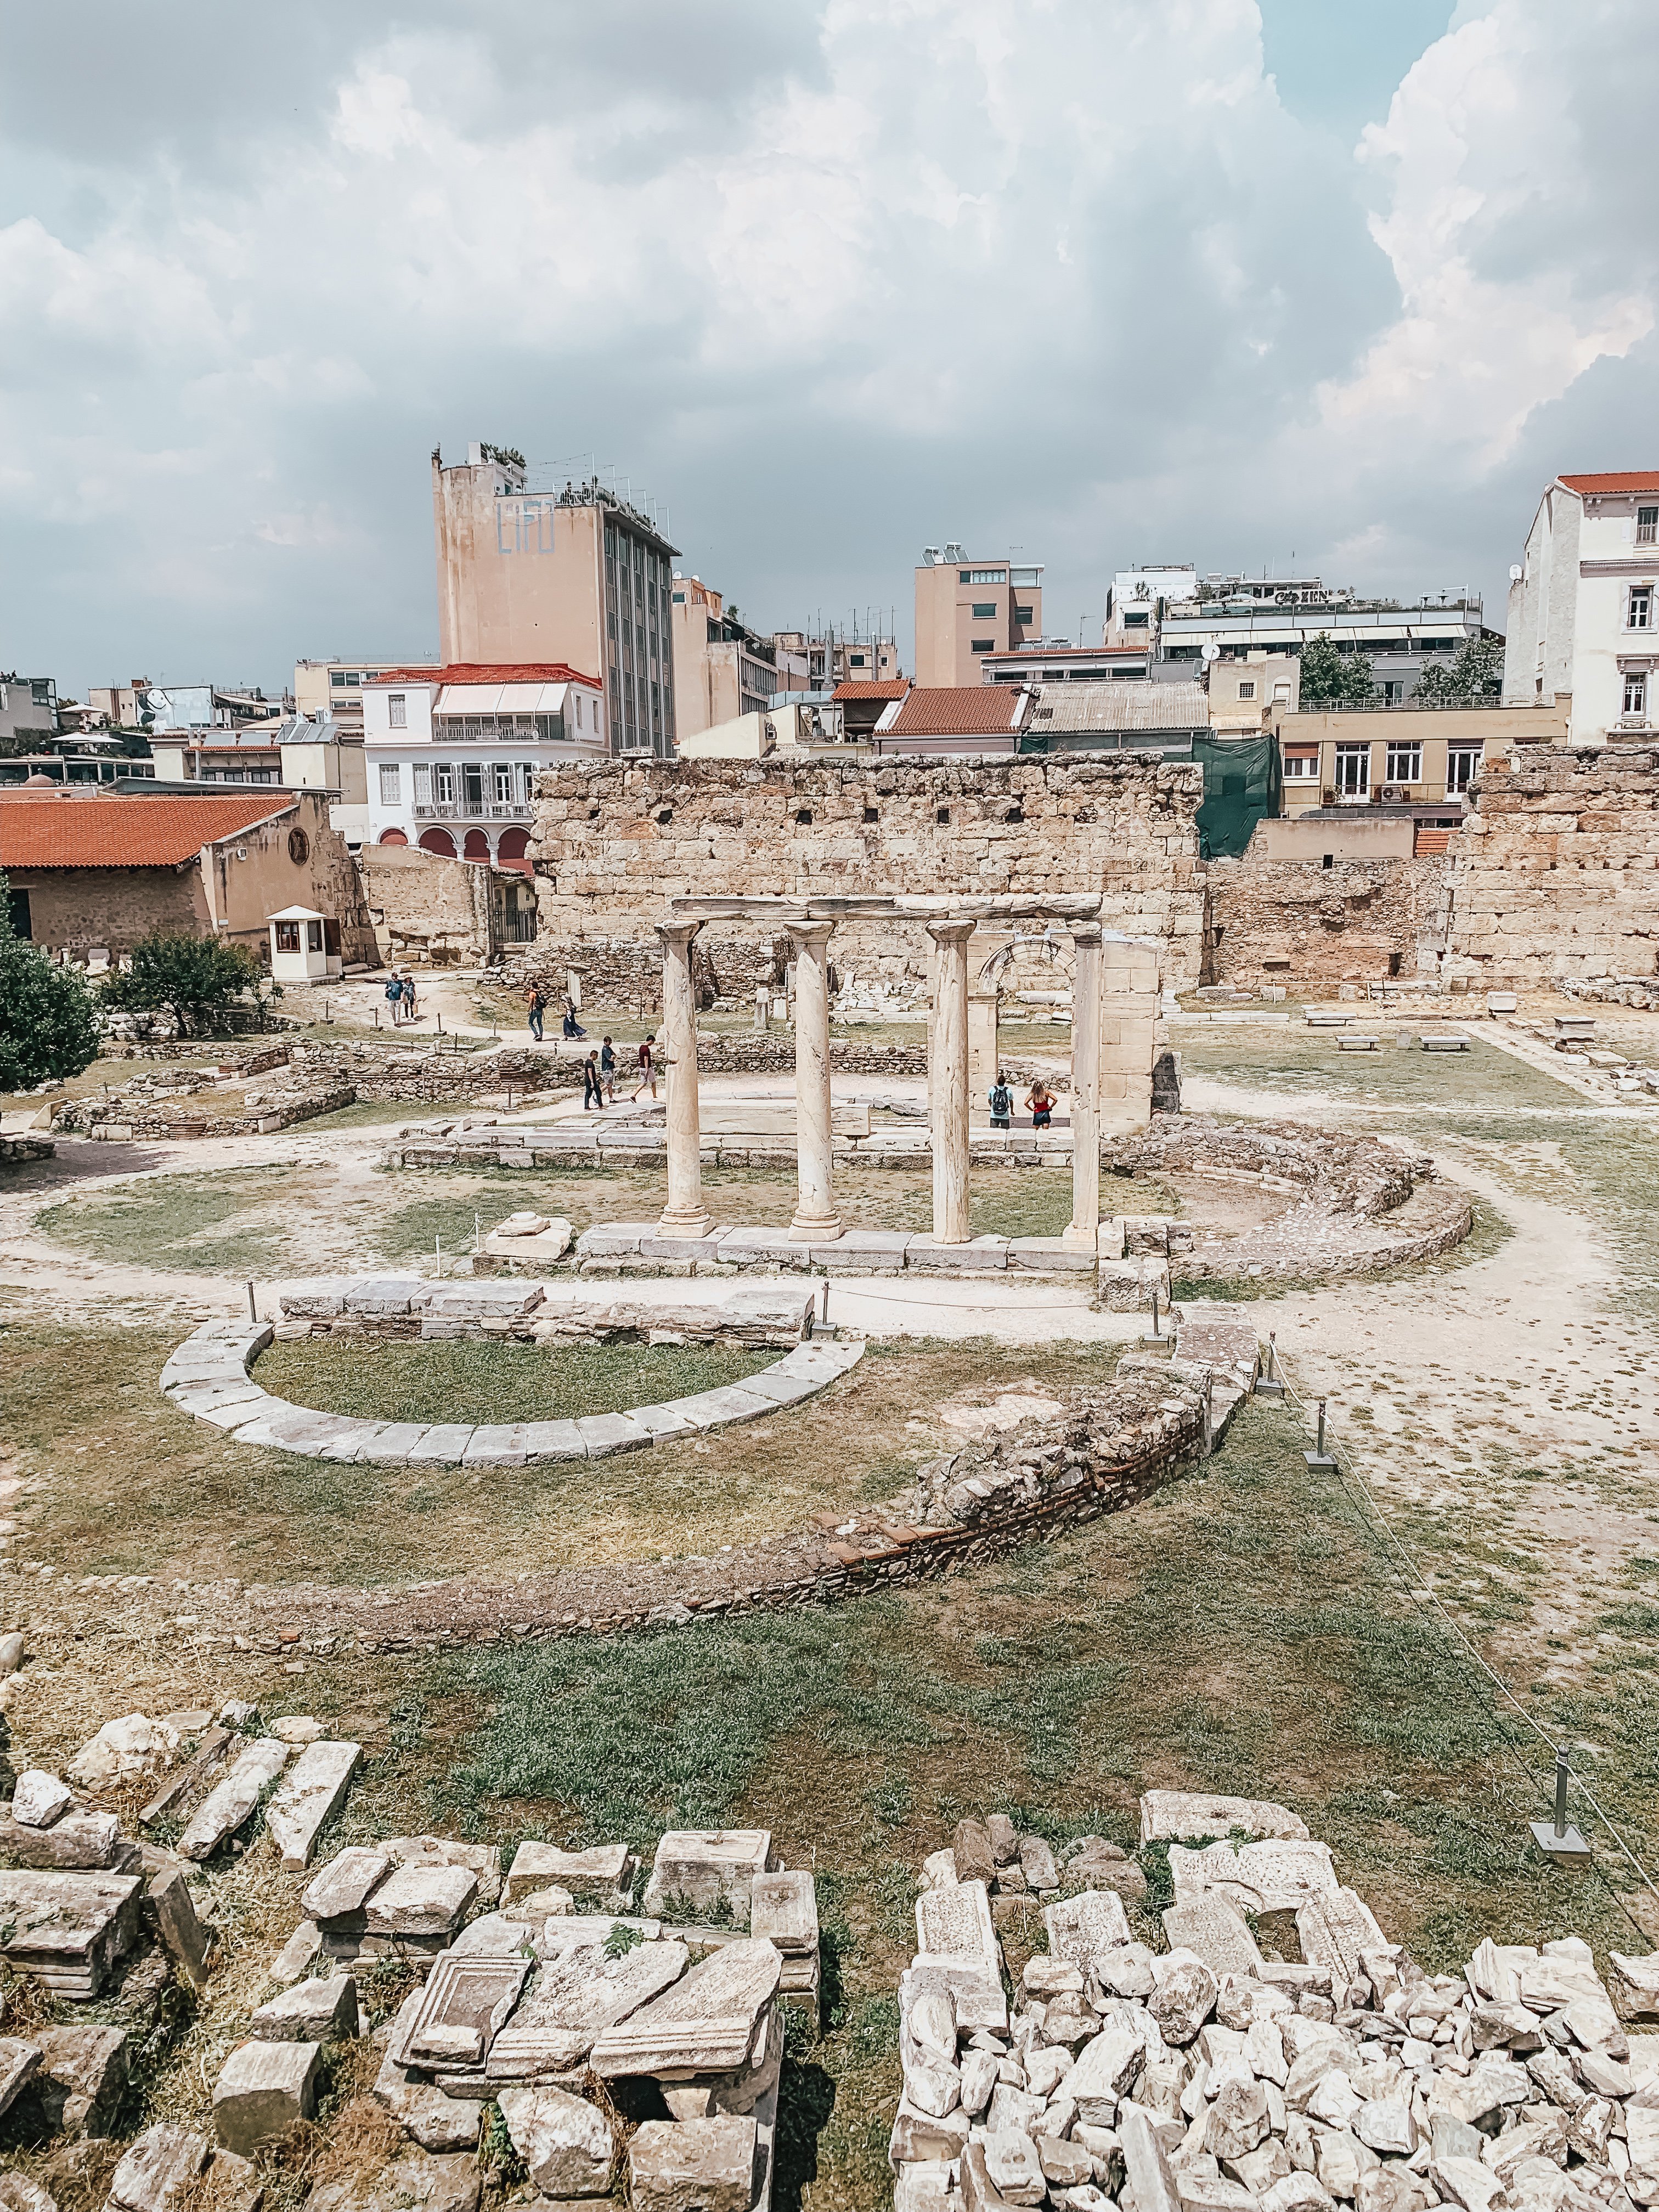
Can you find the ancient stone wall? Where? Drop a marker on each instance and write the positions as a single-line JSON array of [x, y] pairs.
[[626, 972], [1556, 873], [1294, 921], [614, 840], [426, 902]]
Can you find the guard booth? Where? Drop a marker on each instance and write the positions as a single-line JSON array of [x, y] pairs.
[[304, 946]]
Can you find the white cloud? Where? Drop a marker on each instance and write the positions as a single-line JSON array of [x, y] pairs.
[[833, 276]]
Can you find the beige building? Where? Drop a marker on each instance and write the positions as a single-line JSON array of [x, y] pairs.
[[1247, 696], [802, 732], [334, 689], [966, 608], [722, 668], [810, 662], [576, 576], [1352, 756]]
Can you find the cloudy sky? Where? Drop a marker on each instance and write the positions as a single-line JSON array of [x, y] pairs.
[[1229, 281]]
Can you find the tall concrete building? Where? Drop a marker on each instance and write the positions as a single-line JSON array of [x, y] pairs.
[[722, 668], [966, 608], [1584, 612], [576, 576]]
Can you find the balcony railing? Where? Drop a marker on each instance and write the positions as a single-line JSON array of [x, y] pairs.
[[480, 810]]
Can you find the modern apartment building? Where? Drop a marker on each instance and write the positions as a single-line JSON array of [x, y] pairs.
[[722, 668], [453, 753], [333, 689], [818, 661], [1050, 660], [29, 706], [574, 577], [966, 607], [1583, 615]]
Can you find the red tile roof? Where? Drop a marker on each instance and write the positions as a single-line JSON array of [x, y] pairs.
[[895, 690], [56, 832], [957, 711], [1621, 480], [487, 671]]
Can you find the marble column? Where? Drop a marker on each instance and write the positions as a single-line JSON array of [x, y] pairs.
[[685, 1214], [1084, 1228], [949, 1072], [816, 1219]]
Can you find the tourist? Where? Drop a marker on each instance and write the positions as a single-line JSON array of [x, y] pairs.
[[647, 1067], [593, 1089], [536, 999], [394, 997], [411, 1012], [1002, 1102], [1041, 1104], [570, 1027], [608, 1068]]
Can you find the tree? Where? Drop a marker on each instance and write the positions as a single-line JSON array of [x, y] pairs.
[[185, 977], [1331, 677], [48, 1027], [1476, 674]]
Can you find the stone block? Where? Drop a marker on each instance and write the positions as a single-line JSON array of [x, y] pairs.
[[339, 1891], [82, 2078], [308, 1797], [978, 1256], [565, 2143], [604, 1871], [158, 2168], [576, 1996], [321, 2010], [602, 1434], [693, 2166], [706, 2024], [784, 1909], [231, 1803], [697, 1870], [421, 1900], [39, 1799], [553, 1440], [169, 1905], [417, 2182], [436, 2122], [263, 2091], [443, 1445], [67, 1930]]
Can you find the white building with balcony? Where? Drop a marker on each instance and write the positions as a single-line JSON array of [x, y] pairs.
[[453, 753], [1583, 625]]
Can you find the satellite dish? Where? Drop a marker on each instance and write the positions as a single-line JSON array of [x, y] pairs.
[[1213, 651], [1515, 573]]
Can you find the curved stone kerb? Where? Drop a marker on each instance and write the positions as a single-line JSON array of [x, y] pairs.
[[209, 1377]]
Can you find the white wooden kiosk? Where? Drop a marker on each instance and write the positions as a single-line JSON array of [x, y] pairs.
[[298, 946]]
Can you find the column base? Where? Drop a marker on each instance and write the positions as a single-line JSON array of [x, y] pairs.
[[670, 1224], [1080, 1240], [815, 1229]]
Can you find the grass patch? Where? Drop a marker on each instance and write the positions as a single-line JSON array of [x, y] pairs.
[[226, 1223], [385, 1381]]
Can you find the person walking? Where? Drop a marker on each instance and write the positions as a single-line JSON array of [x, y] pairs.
[[1002, 1102], [572, 1027], [412, 1013], [394, 997], [608, 1068], [1041, 1101], [647, 1067], [536, 999], [593, 1089]]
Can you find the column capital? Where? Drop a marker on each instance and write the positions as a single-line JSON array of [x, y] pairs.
[[950, 933], [677, 933], [814, 933], [1085, 932]]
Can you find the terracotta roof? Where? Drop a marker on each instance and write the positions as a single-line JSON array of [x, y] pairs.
[[487, 671], [122, 833], [895, 690], [1621, 480], [959, 711]]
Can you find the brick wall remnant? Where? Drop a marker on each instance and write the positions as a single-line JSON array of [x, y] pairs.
[[1556, 873], [614, 840]]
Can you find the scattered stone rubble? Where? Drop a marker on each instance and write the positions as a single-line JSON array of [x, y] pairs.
[[1214, 2077]]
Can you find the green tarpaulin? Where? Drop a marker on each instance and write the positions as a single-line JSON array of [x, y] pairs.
[[1242, 782]]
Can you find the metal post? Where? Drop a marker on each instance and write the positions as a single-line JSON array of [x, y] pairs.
[[1319, 1457], [477, 1235], [437, 1247], [252, 1310], [1270, 1384], [1558, 1837], [1155, 1335]]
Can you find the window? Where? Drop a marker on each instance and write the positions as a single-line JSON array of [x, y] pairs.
[[982, 645], [389, 782], [1024, 614], [443, 783], [313, 937], [1137, 619], [856, 660], [1247, 689], [985, 610], [1647, 526], [1639, 613], [1281, 694], [423, 786], [1354, 772], [287, 935], [1463, 766], [502, 774], [983, 575], [1301, 768], [397, 709], [1405, 764], [1636, 693]]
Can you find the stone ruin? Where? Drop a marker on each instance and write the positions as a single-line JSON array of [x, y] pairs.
[[615, 2039], [1216, 2075]]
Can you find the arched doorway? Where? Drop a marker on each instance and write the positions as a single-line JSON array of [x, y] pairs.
[[438, 841], [513, 851], [393, 837], [477, 847]]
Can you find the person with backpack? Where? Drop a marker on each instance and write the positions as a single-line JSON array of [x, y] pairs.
[[1002, 1102], [394, 997], [647, 1067], [411, 1013], [536, 999], [593, 1089]]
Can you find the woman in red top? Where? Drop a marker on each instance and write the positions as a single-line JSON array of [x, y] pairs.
[[1041, 1104]]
